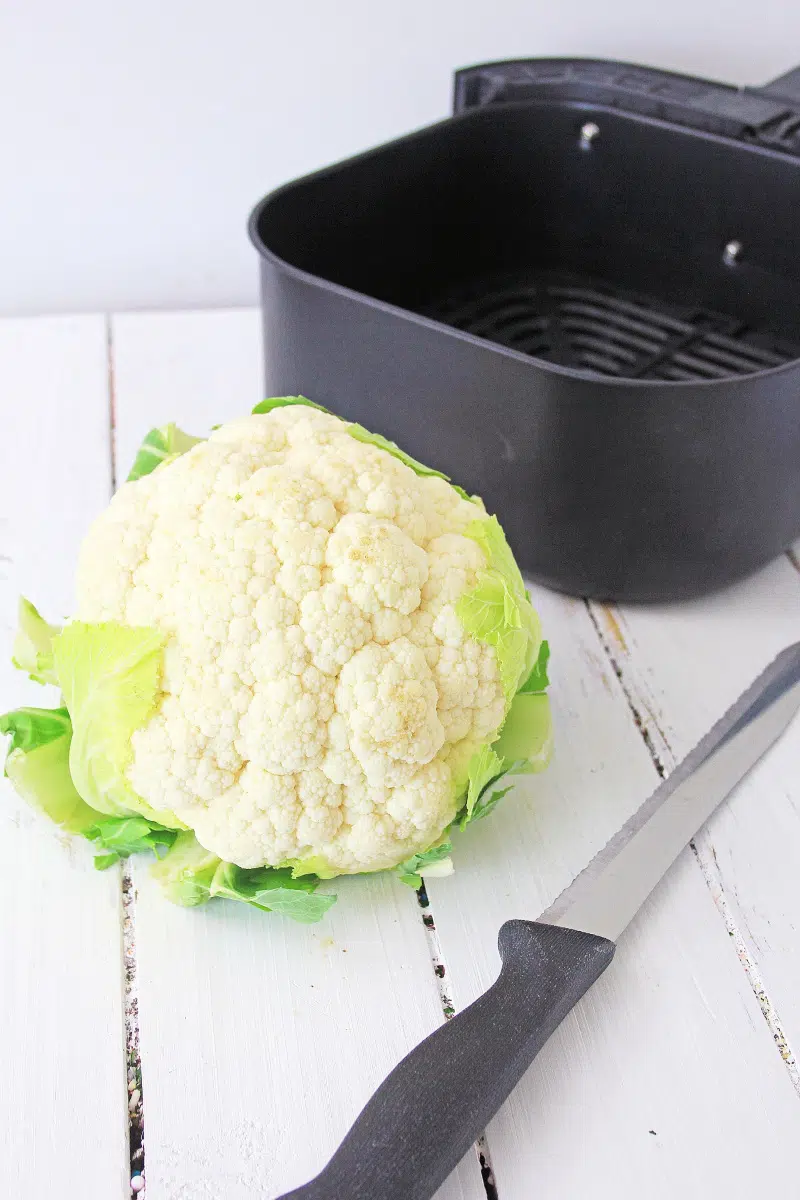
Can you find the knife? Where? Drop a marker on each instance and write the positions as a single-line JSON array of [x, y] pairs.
[[432, 1107]]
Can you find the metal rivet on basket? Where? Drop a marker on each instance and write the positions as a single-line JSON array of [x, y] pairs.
[[732, 253], [589, 133]]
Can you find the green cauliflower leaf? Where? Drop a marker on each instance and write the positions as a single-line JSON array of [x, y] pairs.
[[33, 644], [272, 889], [186, 871], [498, 610], [435, 862], [110, 675], [159, 446], [266, 406], [189, 875], [120, 837], [523, 747], [538, 680], [37, 763]]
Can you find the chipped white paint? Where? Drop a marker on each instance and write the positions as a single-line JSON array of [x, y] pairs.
[[62, 1096], [260, 1039]]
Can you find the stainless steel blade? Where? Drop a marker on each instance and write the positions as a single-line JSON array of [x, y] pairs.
[[615, 884]]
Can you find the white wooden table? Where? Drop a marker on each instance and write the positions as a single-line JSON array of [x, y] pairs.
[[260, 1039]]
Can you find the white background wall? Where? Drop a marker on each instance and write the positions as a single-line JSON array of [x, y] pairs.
[[135, 135]]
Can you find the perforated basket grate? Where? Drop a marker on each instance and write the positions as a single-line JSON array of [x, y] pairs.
[[603, 330]]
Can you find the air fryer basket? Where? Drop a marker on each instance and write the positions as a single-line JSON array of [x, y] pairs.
[[580, 297]]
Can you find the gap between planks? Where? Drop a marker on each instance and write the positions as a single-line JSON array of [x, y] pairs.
[[133, 1062], [449, 1010], [664, 761]]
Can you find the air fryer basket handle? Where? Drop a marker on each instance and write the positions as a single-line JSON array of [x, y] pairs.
[[765, 116], [787, 86]]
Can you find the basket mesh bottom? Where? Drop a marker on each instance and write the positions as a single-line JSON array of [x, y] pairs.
[[604, 330]]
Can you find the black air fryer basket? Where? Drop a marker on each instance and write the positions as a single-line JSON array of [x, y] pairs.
[[580, 298]]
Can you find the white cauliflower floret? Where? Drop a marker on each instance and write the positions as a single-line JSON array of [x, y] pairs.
[[388, 698], [333, 626], [321, 698], [377, 563]]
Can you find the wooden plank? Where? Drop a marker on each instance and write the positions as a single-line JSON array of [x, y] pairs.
[[260, 1039], [63, 1101], [671, 1039], [682, 667]]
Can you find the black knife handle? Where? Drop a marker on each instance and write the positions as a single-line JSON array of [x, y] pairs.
[[435, 1103]]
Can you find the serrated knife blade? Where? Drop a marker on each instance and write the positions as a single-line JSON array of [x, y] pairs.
[[609, 892]]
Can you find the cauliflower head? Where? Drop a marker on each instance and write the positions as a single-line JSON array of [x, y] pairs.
[[299, 647]]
